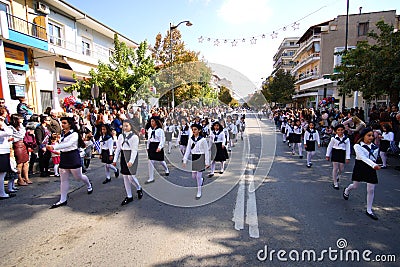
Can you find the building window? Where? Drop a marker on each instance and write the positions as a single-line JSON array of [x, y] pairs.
[[363, 28], [292, 43], [86, 47], [55, 34]]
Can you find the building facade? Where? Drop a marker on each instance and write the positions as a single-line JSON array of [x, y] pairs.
[[283, 59], [316, 60], [47, 46]]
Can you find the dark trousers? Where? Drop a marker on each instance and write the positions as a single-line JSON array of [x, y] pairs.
[[44, 158], [32, 161]]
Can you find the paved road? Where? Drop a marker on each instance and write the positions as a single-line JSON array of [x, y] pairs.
[[294, 208]]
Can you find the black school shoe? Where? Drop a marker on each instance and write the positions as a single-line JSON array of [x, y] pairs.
[[107, 180], [371, 215], [139, 193], [126, 201]]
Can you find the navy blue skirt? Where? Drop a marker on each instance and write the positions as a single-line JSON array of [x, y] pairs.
[[70, 160], [152, 154]]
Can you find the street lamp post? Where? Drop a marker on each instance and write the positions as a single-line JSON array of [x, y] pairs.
[[345, 49], [171, 28]]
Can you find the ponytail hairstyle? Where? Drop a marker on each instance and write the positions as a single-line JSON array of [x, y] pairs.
[[71, 122]]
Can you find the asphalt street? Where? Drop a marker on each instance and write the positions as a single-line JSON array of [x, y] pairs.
[[266, 200]]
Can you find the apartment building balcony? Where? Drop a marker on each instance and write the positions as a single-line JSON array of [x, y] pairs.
[[305, 78], [79, 51], [308, 44], [27, 33], [310, 59]]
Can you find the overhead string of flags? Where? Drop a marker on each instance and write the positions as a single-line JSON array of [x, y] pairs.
[[253, 39]]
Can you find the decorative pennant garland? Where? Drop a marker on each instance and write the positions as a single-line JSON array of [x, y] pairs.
[[253, 39]]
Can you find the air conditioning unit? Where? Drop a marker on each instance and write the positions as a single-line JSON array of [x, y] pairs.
[[43, 8]]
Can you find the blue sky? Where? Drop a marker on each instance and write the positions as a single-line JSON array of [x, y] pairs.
[[225, 19]]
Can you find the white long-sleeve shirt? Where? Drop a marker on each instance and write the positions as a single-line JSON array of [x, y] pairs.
[[339, 144], [365, 155], [107, 144], [131, 144], [311, 136], [4, 135], [218, 137], [68, 142], [201, 147], [157, 137], [388, 136]]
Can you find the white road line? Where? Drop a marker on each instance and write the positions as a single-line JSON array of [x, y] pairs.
[[238, 212], [251, 210]]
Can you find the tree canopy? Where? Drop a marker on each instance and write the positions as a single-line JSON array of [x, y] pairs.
[[372, 67], [279, 88], [128, 71]]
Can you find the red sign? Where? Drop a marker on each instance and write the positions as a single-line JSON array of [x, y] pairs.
[[58, 90]]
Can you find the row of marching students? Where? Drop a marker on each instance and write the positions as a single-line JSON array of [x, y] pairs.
[[338, 152], [70, 160]]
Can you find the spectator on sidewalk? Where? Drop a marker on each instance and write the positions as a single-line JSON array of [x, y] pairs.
[[42, 135], [54, 125]]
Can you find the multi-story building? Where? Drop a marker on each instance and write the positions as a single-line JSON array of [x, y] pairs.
[[283, 59], [316, 60], [46, 45]]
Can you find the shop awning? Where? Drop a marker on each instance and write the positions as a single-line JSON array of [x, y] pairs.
[[79, 68], [305, 95]]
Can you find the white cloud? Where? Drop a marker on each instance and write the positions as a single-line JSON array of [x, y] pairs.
[[240, 11]]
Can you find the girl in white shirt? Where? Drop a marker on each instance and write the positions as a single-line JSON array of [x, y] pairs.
[[218, 147], [365, 168], [338, 152], [169, 129], [387, 138], [107, 152], [70, 161], [198, 147], [311, 139], [127, 147], [183, 136], [155, 147]]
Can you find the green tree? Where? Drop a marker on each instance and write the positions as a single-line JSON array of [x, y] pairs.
[[372, 67], [128, 71], [280, 88]]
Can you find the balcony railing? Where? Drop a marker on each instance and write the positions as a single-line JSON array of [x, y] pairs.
[[308, 76], [98, 52], [26, 27], [312, 57]]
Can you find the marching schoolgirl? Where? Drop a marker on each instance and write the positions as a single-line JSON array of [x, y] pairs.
[[218, 147], [242, 126], [338, 152], [311, 138], [128, 146], [232, 129], [198, 147], [107, 152], [183, 136], [387, 138], [169, 130], [365, 168], [155, 147], [284, 127], [70, 161], [205, 130], [297, 132], [289, 132]]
